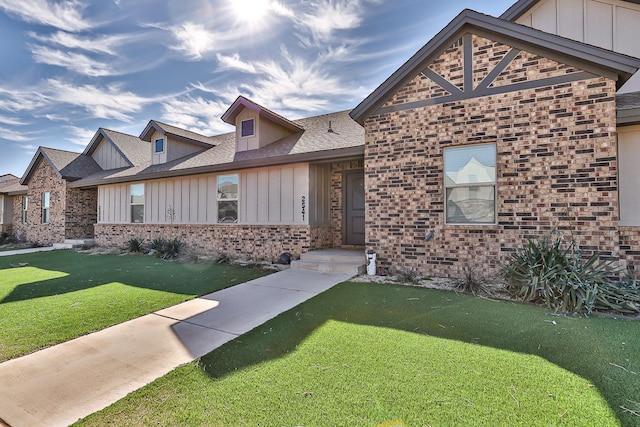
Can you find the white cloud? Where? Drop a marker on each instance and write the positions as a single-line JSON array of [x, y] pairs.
[[329, 16], [100, 102], [66, 15], [196, 114], [15, 100], [102, 44], [80, 136], [13, 135], [11, 121], [280, 9], [234, 62], [76, 62], [194, 40], [293, 84]]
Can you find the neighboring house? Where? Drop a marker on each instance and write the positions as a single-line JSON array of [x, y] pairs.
[[274, 185], [11, 193], [51, 211], [495, 132]]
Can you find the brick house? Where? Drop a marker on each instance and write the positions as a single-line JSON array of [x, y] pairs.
[[11, 193], [274, 185], [50, 211], [495, 132]]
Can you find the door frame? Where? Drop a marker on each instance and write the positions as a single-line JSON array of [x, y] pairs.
[[344, 202]]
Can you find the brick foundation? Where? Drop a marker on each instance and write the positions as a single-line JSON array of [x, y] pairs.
[[247, 241]]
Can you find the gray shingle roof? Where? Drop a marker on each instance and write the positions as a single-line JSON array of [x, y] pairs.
[[315, 143], [67, 165], [175, 131], [628, 108], [133, 148], [10, 184]]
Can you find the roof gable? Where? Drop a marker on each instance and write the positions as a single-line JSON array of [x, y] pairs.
[[588, 58], [67, 165], [176, 132], [521, 7], [241, 103]]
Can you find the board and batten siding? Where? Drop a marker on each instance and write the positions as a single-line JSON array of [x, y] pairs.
[[629, 175], [265, 196], [610, 24], [107, 157]]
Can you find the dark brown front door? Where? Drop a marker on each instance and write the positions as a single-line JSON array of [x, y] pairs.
[[354, 208]]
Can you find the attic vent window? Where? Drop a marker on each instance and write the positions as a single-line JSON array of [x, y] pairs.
[[159, 146], [247, 128]]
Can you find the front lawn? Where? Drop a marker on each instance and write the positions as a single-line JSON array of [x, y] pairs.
[[50, 297], [368, 355]]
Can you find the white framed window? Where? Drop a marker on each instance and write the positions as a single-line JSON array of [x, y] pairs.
[[25, 206], [158, 146], [227, 198], [137, 203], [470, 184], [247, 128], [46, 205]]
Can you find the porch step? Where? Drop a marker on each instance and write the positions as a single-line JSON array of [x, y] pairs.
[[333, 261], [74, 243]]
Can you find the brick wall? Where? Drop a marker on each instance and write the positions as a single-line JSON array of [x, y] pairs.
[[44, 179], [19, 229], [81, 212], [556, 165], [249, 241]]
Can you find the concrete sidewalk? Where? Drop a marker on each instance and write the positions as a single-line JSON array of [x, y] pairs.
[[27, 251], [61, 384]]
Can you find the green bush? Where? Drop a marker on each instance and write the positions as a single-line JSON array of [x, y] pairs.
[[167, 249], [135, 245], [621, 297], [547, 272]]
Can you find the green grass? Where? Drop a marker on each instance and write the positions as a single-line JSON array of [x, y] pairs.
[[369, 355], [51, 297]]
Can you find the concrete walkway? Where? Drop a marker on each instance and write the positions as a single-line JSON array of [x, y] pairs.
[[27, 251], [61, 384]]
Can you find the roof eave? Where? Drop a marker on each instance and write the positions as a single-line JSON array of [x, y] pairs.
[[355, 151], [518, 9], [28, 172], [628, 117]]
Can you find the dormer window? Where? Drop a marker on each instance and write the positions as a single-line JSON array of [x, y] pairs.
[[247, 128], [159, 146]]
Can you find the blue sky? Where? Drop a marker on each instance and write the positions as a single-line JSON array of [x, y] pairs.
[[70, 67]]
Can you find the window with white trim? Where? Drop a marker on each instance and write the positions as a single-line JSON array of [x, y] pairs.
[[137, 203], [247, 128], [159, 146], [470, 184], [227, 199], [46, 205]]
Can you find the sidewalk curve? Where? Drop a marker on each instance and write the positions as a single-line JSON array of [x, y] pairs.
[[61, 384]]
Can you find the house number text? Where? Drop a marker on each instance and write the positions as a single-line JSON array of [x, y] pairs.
[[304, 205]]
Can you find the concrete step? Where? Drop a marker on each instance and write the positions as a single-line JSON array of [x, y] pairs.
[[332, 260]]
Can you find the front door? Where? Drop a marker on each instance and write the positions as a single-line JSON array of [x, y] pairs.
[[354, 208]]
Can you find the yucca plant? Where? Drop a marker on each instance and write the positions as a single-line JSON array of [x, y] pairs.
[[171, 248], [622, 297], [472, 283], [547, 272], [135, 245]]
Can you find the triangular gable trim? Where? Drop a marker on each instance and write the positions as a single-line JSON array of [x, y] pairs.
[[34, 162], [95, 142], [241, 103], [593, 60], [157, 126]]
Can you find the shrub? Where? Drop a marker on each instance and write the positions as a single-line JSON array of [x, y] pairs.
[[547, 272], [408, 275], [167, 249], [135, 245], [3, 238], [472, 283], [622, 297]]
